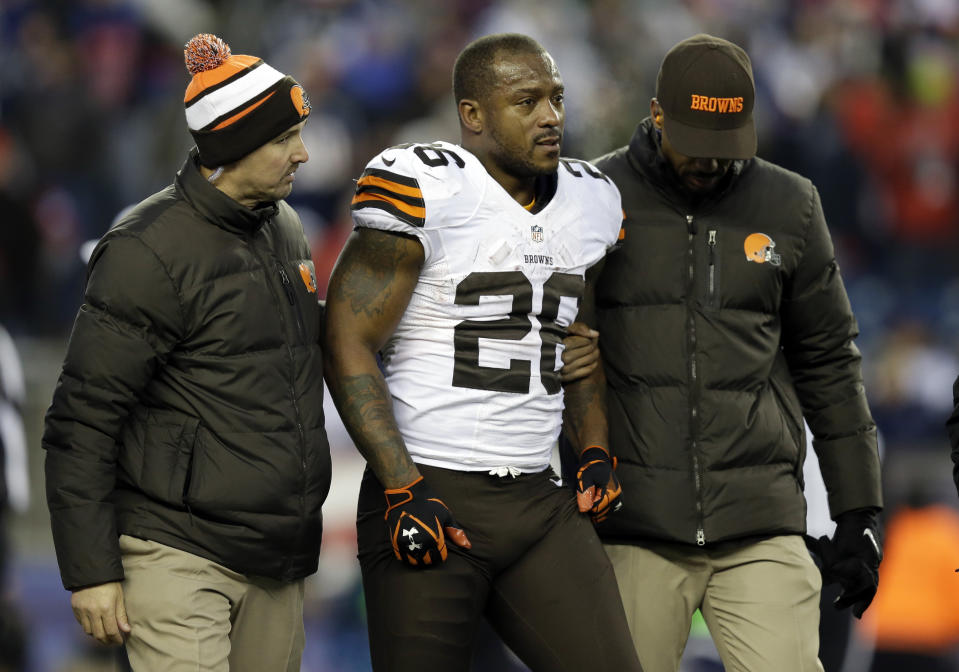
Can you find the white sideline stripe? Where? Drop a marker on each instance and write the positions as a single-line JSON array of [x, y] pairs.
[[231, 97], [14, 457]]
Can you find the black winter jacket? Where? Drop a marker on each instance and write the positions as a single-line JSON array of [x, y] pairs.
[[721, 325], [190, 406]]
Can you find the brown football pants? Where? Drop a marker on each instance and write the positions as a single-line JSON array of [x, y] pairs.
[[536, 571]]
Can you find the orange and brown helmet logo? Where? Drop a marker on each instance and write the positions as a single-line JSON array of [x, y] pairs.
[[759, 248], [306, 273], [300, 101]]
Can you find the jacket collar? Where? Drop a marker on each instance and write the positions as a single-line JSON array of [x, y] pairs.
[[645, 156], [216, 206]]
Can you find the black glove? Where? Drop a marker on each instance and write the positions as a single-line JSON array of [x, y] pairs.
[[852, 559], [597, 488], [416, 521]]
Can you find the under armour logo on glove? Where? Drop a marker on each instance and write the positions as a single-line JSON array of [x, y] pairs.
[[597, 488], [413, 546], [418, 525]]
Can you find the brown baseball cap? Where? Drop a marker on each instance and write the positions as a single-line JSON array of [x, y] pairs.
[[705, 86]]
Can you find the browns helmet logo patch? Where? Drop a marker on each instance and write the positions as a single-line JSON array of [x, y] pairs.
[[306, 273], [759, 249], [300, 101]]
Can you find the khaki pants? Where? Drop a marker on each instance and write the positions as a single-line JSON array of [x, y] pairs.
[[189, 614], [759, 599]]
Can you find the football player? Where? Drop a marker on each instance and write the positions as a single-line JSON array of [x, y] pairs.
[[445, 318]]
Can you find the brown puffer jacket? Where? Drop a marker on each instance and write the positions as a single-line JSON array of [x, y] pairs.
[[723, 324], [190, 406]]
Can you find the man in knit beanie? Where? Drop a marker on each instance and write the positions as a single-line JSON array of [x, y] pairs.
[[235, 104], [187, 459]]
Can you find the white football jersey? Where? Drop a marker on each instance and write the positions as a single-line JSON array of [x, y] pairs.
[[473, 367]]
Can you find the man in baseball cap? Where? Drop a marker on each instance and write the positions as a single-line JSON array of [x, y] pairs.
[[737, 326], [705, 89], [703, 111]]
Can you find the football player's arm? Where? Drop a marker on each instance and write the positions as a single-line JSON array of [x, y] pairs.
[[369, 290], [580, 352], [584, 422], [584, 415]]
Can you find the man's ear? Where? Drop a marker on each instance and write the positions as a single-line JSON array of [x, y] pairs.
[[471, 115], [656, 112]]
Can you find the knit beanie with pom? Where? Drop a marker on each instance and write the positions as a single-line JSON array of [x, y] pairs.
[[236, 104]]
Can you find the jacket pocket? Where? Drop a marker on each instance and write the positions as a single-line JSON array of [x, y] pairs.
[[791, 413], [244, 472], [167, 453]]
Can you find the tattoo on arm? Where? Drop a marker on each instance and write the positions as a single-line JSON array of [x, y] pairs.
[[369, 290], [369, 270], [584, 415], [366, 404]]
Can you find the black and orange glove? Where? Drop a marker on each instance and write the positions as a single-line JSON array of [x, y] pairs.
[[597, 488], [418, 524]]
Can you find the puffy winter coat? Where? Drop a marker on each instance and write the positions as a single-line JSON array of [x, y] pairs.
[[190, 406], [721, 325]]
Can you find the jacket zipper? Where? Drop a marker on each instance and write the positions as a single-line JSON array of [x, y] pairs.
[[693, 382], [711, 296], [288, 290], [291, 297]]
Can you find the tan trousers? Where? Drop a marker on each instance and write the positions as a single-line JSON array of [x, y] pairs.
[[759, 599], [189, 614]]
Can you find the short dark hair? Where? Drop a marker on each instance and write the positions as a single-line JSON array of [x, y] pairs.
[[473, 70]]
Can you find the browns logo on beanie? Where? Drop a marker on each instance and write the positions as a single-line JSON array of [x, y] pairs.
[[235, 104]]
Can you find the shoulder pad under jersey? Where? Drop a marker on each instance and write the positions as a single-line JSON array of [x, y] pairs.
[[399, 184]]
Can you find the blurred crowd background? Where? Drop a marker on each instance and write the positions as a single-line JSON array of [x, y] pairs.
[[861, 96]]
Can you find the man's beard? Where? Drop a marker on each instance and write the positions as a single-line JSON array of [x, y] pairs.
[[700, 194], [517, 165]]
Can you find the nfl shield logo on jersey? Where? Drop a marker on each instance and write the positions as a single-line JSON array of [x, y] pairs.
[[536, 233]]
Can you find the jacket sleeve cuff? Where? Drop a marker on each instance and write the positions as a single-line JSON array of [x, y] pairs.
[[851, 471], [88, 547]]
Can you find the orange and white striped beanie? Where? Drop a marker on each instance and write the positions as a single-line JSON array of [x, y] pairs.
[[235, 104]]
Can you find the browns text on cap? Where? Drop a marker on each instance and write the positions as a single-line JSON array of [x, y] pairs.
[[705, 87]]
